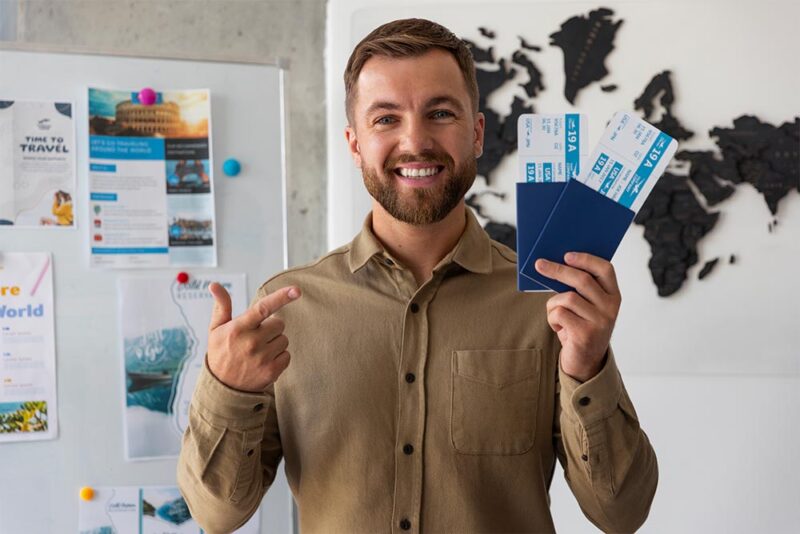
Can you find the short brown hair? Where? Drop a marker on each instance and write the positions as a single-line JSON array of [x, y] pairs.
[[408, 38]]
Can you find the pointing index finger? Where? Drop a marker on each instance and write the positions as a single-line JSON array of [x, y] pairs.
[[267, 305]]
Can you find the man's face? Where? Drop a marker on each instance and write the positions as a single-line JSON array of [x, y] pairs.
[[414, 135]]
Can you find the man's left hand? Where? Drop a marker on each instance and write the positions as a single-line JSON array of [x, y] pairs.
[[584, 318]]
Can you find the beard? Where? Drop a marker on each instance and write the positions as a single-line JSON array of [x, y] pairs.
[[421, 205]]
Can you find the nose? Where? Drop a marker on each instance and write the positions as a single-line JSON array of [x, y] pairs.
[[416, 137]]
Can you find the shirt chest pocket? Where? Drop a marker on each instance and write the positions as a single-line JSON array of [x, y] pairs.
[[494, 398]]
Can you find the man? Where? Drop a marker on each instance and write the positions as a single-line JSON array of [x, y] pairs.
[[424, 392]]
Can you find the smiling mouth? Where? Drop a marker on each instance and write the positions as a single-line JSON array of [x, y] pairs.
[[424, 172]]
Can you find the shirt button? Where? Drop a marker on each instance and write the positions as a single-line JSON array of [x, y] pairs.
[[258, 407], [584, 401], [408, 448], [410, 377], [414, 307], [405, 524], [584, 458], [250, 452], [388, 261]]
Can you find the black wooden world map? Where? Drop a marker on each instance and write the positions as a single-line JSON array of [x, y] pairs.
[[749, 151]]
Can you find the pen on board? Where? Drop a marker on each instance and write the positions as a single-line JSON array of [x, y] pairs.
[[41, 275]]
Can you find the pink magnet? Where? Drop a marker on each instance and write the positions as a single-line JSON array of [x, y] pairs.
[[147, 97], [182, 278]]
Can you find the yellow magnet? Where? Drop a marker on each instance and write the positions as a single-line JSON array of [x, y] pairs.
[[87, 493]]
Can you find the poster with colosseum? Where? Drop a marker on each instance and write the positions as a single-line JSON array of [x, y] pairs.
[[151, 195]]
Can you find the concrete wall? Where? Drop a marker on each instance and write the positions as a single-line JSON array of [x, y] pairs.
[[267, 30], [8, 20]]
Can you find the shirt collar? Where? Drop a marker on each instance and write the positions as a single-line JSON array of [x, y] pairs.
[[473, 251], [364, 246]]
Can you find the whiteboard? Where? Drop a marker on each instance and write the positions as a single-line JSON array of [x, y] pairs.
[[39, 481]]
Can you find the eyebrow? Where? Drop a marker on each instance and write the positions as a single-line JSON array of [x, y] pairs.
[[438, 100], [381, 105], [435, 101]]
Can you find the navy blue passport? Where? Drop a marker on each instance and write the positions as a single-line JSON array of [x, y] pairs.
[[581, 220], [535, 202]]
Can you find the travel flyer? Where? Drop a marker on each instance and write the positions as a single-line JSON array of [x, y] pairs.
[[151, 193], [37, 164], [164, 335], [27, 348], [143, 510]]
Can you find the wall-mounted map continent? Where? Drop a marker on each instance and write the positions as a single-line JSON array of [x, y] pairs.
[[500, 136], [586, 42], [674, 223], [674, 219], [659, 93]]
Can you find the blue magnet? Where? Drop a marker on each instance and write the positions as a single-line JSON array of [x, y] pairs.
[[231, 167]]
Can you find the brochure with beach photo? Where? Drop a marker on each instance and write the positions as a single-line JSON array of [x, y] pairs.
[[143, 510], [151, 192], [164, 335], [37, 164], [27, 347]]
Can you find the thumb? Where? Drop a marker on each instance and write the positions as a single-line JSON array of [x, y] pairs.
[[221, 313]]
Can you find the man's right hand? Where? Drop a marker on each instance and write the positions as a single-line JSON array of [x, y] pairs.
[[248, 353]]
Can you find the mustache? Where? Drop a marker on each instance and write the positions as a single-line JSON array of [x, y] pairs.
[[427, 156]]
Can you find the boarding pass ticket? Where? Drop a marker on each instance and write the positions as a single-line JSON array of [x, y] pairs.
[[628, 161], [551, 147]]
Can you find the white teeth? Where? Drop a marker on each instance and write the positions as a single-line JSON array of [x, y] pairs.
[[418, 173]]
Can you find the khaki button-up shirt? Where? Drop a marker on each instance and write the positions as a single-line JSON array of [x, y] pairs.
[[406, 408]]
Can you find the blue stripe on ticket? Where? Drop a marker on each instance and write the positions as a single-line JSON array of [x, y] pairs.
[[645, 169], [602, 159], [611, 178], [572, 137], [547, 171], [530, 172]]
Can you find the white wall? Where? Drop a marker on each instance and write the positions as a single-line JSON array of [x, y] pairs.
[[713, 370]]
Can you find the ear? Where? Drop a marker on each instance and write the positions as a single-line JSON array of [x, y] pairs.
[[352, 144], [480, 125]]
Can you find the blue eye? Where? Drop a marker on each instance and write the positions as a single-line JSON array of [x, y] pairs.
[[442, 114], [385, 121]]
